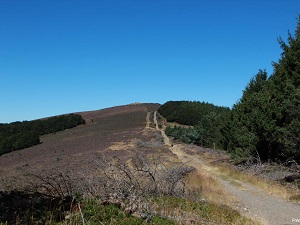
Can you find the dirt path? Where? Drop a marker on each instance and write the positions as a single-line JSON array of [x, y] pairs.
[[259, 204], [148, 120], [163, 134], [254, 202]]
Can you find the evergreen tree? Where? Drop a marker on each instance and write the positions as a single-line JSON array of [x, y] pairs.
[[266, 121], [285, 89]]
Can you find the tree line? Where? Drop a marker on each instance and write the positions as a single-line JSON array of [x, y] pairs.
[[264, 123], [205, 120], [19, 135]]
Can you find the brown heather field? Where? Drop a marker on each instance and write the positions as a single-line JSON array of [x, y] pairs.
[[118, 131]]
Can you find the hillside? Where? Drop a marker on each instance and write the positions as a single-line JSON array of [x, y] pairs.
[[122, 165], [19, 135], [75, 150]]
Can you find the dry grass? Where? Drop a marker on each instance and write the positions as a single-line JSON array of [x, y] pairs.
[[273, 188], [185, 211], [211, 189], [214, 194], [219, 165]]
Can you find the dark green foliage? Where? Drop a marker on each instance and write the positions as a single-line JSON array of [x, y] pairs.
[[250, 124], [19, 135], [186, 135], [265, 123], [207, 121], [108, 214], [187, 112]]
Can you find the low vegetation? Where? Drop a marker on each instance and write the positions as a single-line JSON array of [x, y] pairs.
[[138, 191], [19, 135], [205, 122]]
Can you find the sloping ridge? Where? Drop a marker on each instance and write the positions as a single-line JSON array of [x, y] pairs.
[[74, 150], [116, 110]]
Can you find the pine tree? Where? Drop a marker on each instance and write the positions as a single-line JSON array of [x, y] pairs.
[[285, 86], [266, 121]]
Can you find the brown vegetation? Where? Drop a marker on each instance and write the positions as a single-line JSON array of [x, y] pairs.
[[74, 151]]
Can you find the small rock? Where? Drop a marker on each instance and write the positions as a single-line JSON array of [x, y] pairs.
[[67, 217], [202, 200]]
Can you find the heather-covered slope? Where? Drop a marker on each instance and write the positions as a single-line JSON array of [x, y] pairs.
[[76, 150]]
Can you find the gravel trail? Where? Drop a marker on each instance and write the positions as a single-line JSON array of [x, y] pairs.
[[259, 204], [254, 202]]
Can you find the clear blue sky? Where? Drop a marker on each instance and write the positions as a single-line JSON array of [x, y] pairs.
[[62, 56]]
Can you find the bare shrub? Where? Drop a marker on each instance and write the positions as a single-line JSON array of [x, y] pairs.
[[130, 185], [270, 170], [149, 179], [57, 185]]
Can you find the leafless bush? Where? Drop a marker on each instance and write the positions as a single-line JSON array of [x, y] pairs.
[[129, 184], [55, 185], [293, 165], [133, 183], [270, 170], [155, 179]]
